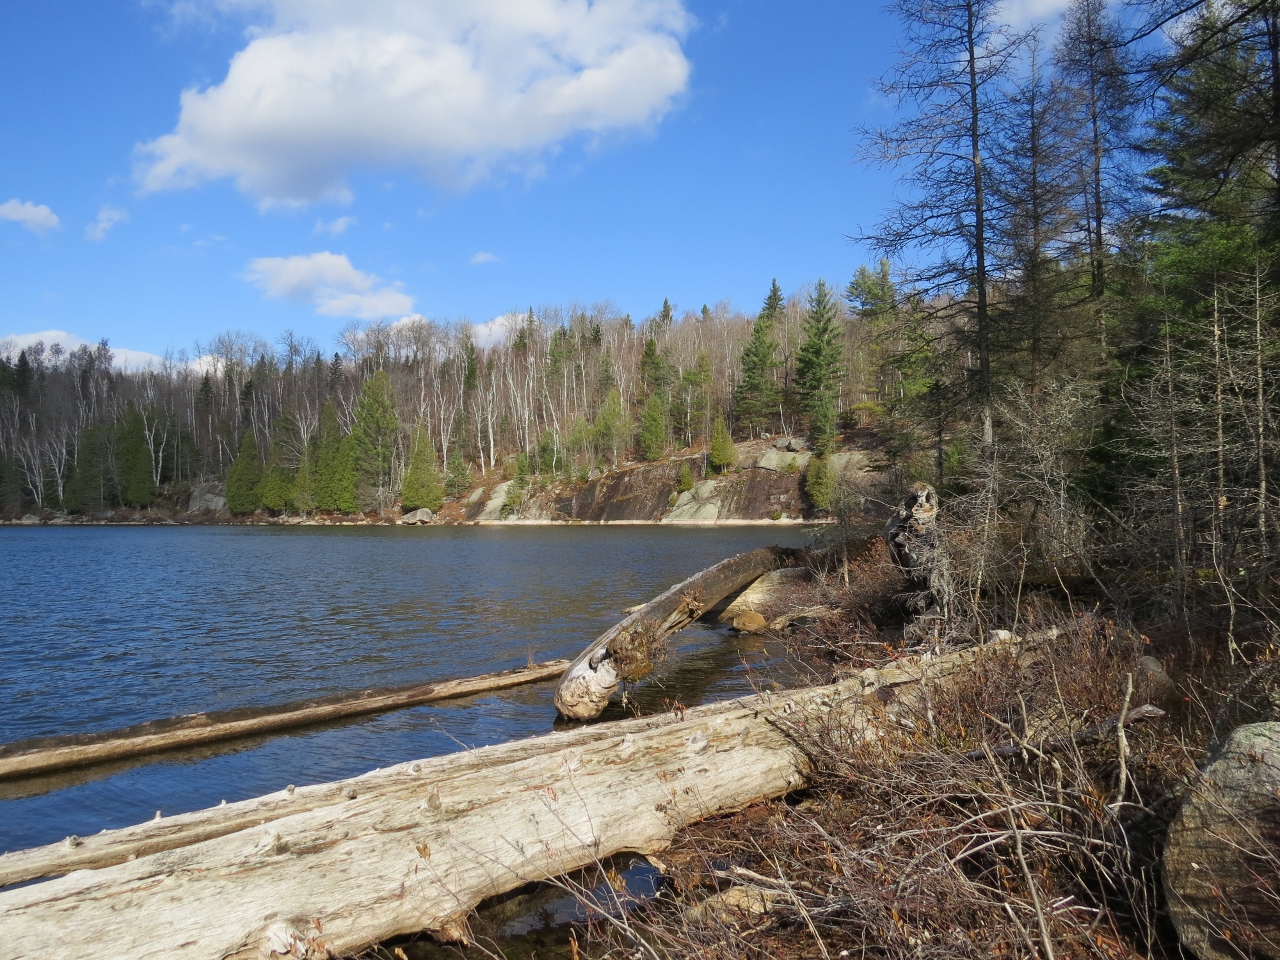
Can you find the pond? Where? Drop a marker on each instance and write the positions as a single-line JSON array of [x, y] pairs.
[[103, 627]]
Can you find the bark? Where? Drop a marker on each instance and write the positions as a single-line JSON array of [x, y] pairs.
[[48, 754], [626, 651], [418, 846], [1222, 857]]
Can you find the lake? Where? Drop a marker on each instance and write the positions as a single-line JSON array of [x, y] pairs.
[[103, 627]]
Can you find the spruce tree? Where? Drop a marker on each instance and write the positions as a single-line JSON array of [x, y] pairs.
[[137, 485], [653, 429], [334, 481], [818, 364], [820, 482], [304, 494], [457, 477], [757, 396], [244, 476], [722, 453], [422, 485], [275, 489], [376, 434], [684, 479]]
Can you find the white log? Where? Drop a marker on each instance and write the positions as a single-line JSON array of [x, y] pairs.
[[417, 847]]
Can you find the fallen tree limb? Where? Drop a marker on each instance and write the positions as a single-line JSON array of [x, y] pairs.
[[1089, 735], [29, 757], [626, 650], [332, 869]]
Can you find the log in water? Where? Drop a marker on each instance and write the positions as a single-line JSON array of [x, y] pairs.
[[45, 754]]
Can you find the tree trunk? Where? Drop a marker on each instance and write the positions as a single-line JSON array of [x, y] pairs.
[[627, 651], [333, 869], [46, 754]]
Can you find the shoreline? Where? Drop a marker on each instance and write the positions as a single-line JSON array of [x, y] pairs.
[[387, 522]]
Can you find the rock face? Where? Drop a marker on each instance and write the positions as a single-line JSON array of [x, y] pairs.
[[700, 503], [209, 496], [493, 508], [422, 515], [775, 459], [1222, 857]]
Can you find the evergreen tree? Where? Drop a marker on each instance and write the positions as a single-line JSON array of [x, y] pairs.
[[611, 432], [244, 476], [684, 479], [655, 370], [275, 489], [376, 435], [757, 395], [653, 429], [304, 490], [137, 483], [819, 482], [334, 472], [722, 453], [422, 485], [818, 364], [457, 477]]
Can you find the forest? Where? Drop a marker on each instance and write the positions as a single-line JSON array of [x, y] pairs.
[[1072, 324]]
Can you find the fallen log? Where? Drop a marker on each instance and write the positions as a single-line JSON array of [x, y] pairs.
[[627, 650], [29, 757], [417, 847]]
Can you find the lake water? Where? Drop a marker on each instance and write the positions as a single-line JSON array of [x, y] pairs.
[[103, 627]]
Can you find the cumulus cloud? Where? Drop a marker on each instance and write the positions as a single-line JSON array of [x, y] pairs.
[[330, 283], [450, 88], [335, 227], [122, 358], [36, 217], [1025, 13], [108, 217], [482, 256]]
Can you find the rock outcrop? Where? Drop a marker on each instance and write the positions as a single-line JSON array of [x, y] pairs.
[[1222, 856], [208, 497], [421, 515]]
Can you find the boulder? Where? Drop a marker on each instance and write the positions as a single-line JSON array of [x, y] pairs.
[[774, 459], [30, 519], [421, 515], [749, 622], [208, 496], [1222, 856]]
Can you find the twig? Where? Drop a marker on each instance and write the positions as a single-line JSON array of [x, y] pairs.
[[1123, 742], [1145, 712]]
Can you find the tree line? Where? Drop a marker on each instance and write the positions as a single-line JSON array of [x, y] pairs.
[[1074, 313]]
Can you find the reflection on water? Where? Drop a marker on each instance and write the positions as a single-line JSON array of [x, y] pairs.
[[103, 627]]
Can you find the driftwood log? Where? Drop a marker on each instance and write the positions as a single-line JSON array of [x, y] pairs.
[[627, 651], [330, 870], [30, 757], [1222, 856]]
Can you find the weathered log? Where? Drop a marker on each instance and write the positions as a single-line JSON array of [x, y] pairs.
[[1222, 856], [626, 650], [29, 757], [416, 848]]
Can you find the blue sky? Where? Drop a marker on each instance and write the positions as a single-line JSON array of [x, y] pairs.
[[176, 168]]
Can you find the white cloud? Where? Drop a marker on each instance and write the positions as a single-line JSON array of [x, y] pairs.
[[335, 227], [482, 256], [331, 284], [1026, 13], [123, 358], [496, 331], [36, 217], [108, 217], [450, 88]]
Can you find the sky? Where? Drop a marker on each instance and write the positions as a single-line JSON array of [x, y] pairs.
[[174, 169]]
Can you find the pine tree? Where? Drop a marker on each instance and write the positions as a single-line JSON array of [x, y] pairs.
[[819, 482], [244, 476], [422, 485], [376, 435], [137, 484], [611, 432], [653, 429], [757, 396], [334, 472], [303, 495], [275, 489], [818, 364], [457, 476], [684, 479], [722, 453]]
